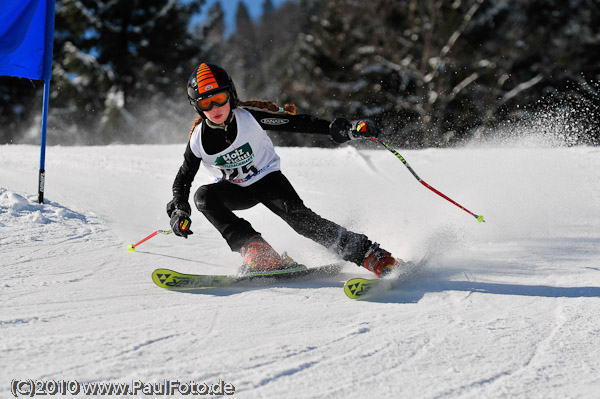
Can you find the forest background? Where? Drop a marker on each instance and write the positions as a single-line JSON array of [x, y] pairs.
[[431, 73]]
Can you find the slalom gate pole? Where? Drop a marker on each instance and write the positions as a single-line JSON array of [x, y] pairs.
[[401, 158], [42, 173], [131, 247]]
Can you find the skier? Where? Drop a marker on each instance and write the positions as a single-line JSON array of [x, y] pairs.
[[229, 136]]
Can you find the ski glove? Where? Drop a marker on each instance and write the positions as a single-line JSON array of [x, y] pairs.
[[341, 130], [180, 223], [178, 203]]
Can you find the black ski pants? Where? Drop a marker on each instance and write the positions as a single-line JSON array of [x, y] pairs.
[[217, 201]]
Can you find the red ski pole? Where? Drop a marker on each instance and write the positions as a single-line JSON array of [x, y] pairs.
[[401, 158], [132, 246]]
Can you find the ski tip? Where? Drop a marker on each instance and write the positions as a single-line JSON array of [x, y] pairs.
[[160, 277], [169, 279], [358, 287]]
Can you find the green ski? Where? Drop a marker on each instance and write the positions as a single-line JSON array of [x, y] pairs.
[[176, 281], [363, 288], [357, 288]]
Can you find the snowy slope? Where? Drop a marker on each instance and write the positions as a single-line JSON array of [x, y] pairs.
[[506, 308]]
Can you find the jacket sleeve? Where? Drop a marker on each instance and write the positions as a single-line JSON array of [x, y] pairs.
[[185, 176], [301, 123]]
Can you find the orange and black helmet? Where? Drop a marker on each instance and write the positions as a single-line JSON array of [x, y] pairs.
[[208, 80]]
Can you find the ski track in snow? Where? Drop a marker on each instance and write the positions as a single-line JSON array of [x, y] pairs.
[[506, 308]]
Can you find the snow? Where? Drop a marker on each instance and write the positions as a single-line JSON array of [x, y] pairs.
[[506, 308]]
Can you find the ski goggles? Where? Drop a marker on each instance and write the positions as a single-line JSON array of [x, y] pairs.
[[219, 99]]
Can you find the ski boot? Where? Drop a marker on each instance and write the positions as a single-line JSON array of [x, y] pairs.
[[380, 261], [260, 257]]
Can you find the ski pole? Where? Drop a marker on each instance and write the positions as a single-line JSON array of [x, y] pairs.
[[131, 247], [401, 158]]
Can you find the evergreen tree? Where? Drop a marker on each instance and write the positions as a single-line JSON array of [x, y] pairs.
[[20, 100], [242, 58], [119, 62], [267, 8], [430, 72], [212, 33]]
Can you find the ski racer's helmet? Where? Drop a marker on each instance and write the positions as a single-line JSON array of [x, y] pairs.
[[208, 80]]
